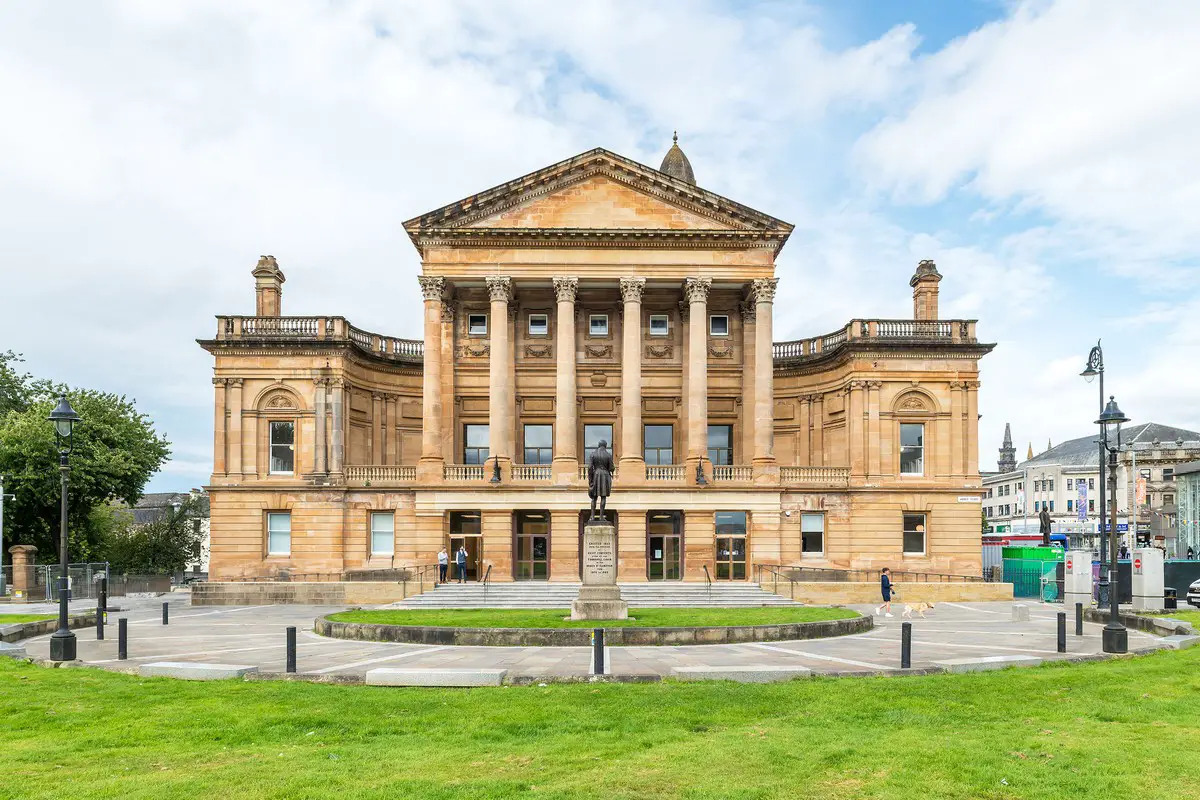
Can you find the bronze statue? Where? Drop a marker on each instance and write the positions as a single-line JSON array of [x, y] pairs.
[[1044, 521], [599, 474]]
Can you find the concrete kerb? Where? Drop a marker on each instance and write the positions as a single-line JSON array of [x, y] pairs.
[[581, 637], [27, 630]]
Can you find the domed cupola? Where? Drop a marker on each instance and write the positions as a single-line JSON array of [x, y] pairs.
[[676, 164]]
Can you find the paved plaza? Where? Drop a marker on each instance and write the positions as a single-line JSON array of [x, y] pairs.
[[255, 636]]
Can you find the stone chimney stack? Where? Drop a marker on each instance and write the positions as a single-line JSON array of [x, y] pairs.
[[925, 291], [268, 287]]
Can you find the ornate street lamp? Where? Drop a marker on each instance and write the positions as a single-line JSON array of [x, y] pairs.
[[1115, 637], [1095, 367], [64, 418]]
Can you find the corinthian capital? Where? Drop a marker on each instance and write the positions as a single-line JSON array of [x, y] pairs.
[[566, 289], [762, 290], [432, 288], [696, 289], [632, 288], [499, 287]]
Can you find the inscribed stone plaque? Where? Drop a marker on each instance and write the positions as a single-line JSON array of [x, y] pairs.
[[599, 555]]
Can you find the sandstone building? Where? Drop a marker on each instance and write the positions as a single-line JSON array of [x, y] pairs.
[[595, 299]]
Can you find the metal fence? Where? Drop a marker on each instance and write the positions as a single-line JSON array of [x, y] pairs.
[[1037, 579], [39, 582]]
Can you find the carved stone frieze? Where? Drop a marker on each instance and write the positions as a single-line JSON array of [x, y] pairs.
[[566, 289], [659, 350], [762, 290], [913, 402], [474, 350], [537, 351], [432, 287], [695, 290], [632, 289], [598, 350], [720, 350], [499, 288], [747, 309]]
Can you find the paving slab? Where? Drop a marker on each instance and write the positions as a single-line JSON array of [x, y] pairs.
[[747, 673], [1180, 642], [986, 663], [193, 671], [12, 650], [392, 676]]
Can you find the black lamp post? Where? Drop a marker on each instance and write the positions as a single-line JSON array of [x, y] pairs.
[[1095, 366], [62, 641], [1115, 637]]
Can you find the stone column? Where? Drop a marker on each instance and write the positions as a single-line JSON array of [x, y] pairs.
[[390, 432], [804, 447], [874, 443], [818, 431], [763, 295], [235, 426], [429, 468], [695, 291], [856, 427], [566, 425], [500, 373], [377, 428], [958, 434], [338, 456], [219, 427], [321, 463], [632, 462], [746, 434], [972, 464]]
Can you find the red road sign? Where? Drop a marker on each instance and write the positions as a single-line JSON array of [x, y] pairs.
[[1070, 564], [1137, 563]]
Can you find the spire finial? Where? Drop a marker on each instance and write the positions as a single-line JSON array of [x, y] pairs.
[[675, 137]]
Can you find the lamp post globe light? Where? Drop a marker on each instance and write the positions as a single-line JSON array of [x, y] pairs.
[[1094, 368], [1115, 637], [64, 418]]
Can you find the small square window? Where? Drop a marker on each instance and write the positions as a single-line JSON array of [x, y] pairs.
[[383, 526], [539, 325], [812, 534], [279, 533], [914, 534], [718, 325], [598, 325], [658, 325], [477, 324], [1168, 499]]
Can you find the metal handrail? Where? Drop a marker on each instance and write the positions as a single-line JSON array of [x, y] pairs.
[[847, 575], [487, 580], [707, 581]]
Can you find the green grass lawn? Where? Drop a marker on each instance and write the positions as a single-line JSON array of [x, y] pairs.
[[1112, 729], [554, 618], [1183, 616], [13, 619]]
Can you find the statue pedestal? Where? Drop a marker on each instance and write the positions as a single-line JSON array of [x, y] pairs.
[[599, 598]]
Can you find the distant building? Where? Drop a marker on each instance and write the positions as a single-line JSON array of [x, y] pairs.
[[155, 506], [1008, 453], [1187, 493]]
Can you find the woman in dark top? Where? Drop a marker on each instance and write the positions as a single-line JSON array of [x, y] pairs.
[[885, 588]]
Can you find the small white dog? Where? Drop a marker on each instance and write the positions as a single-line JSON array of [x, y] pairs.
[[919, 608]]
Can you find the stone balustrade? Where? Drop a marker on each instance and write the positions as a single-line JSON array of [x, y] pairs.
[[732, 472], [837, 477], [531, 472], [462, 472], [664, 472], [958, 331], [381, 474], [330, 329]]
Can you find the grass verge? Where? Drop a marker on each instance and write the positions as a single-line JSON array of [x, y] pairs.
[[1183, 616], [1030, 733], [16, 619], [554, 618]]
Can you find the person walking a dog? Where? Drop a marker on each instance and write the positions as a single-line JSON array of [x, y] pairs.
[[885, 588]]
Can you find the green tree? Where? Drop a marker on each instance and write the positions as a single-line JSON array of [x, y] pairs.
[[165, 545], [115, 451], [15, 387]]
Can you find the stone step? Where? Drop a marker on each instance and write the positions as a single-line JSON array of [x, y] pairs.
[[395, 676]]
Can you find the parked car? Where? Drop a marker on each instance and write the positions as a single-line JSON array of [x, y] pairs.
[[1193, 594]]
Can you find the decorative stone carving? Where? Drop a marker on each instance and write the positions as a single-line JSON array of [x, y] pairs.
[[566, 289], [913, 402], [234, 382], [598, 350], [684, 308], [432, 288], [447, 310], [537, 351], [659, 350], [720, 350], [632, 289], [279, 400], [599, 379], [748, 310], [499, 287], [218, 381], [695, 290], [762, 290], [474, 351]]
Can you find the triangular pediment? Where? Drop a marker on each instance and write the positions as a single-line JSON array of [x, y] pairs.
[[596, 191]]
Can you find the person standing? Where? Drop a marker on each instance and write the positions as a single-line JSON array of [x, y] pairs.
[[460, 561], [443, 565], [885, 588], [1191, 554]]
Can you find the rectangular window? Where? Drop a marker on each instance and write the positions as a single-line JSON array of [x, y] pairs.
[[598, 325], [383, 526], [1145, 473], [1051, 485], [1091, 483], [593, 435], [718, 325], [477, 324], [1069, 506], [1168, 499], [658, 444], [730, 550], [912, 449], [539, 444], [658, 325], [279, 533], [1037, 486], [1019, 486], [539, 325], [720, 444], [1068, 484], [914, 534], [1168, 473], [1035, 505], [731, 523], [1091, 505], [1051, 506], [283, 447], [812, 534], [475, 444]]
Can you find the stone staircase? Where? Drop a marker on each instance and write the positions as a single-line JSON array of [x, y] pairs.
[[559, 595]]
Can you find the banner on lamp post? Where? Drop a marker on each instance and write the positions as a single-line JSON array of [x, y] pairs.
[[1081, 502]]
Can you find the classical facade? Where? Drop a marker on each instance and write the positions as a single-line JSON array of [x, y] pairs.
[[595, 299]]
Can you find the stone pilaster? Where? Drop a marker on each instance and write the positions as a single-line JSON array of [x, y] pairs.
[[566, 425], [429, 467], [958, 434], [320, 459], [337, 388], [632, 463], [745, 436], [695, 292], [874, 445], [377, 428], [763, 296], [235, 426], [972, 463], [856, 428], [500, 371], [391, 434], [219, 467]]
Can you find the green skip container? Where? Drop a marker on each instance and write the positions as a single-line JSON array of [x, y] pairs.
[[1032, 553]]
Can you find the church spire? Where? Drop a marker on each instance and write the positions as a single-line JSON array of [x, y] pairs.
[[1029, 455], [1008, 454]]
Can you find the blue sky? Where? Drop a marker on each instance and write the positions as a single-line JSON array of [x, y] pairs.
[[1043, 153]]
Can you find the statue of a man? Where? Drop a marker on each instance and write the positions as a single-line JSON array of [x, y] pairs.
[[599, 473], [1044, 523]]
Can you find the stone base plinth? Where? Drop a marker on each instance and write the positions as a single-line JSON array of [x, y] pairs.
[[599, 603]]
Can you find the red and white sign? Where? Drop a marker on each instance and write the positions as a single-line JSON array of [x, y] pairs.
[[1070, 565], [1137, 563]]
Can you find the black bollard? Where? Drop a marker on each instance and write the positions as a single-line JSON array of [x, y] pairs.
[[598, 651], [906, 645], [1062, 631], [104, 595], [164, 613], [291, 649], [99, 623], [1079, 619], [122, 639]]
